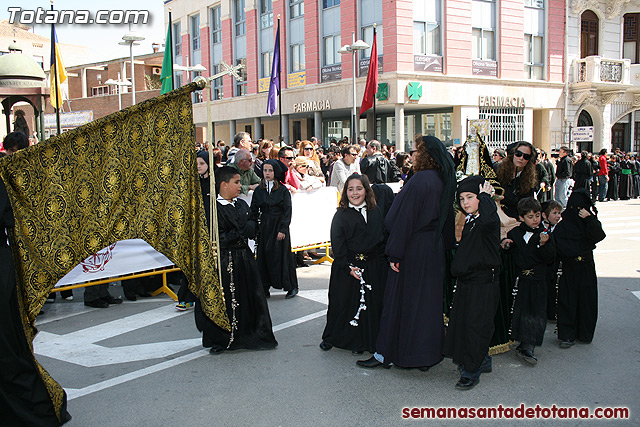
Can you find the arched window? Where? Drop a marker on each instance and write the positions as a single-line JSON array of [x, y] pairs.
[[588, 34], [584, 119]]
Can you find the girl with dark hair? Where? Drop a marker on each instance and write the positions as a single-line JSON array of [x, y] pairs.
[[420, 225], [358, 272], [517, 174], [271, 207]]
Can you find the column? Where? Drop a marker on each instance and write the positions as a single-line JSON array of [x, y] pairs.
[[317, 125], [400, 128], [232, 131], [83, 76], [632, 126], [371, 127], [285, 129], [257, 129]]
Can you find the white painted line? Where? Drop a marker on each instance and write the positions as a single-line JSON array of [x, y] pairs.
[[73, 393], [636, 293], [317, 295], [48, 319]]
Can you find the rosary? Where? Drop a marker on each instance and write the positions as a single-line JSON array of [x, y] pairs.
[[362, 306]]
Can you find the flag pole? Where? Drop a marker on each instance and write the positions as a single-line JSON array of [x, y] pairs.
[[55, 74], [280, 85], [171, 47], [375, 123]]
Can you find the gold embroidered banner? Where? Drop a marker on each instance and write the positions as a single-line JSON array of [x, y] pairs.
[[130, 175]]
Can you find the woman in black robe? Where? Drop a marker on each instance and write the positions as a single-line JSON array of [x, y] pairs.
[[411, 327], [626, 178], [243, 293], [24, 399], [271, 207], [353, 317], [614, 177]]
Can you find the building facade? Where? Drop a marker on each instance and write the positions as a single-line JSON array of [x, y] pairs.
[[441, 63], [604, 81]]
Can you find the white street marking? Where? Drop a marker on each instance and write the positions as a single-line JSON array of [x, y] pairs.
[[636, 293]]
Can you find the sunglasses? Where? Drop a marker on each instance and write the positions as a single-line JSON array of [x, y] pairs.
[[525, 156], [308, 148], [290, 158]]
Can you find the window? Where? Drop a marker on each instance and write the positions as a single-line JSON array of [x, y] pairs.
[[589, 34], [483, 21], [331, 47], [506, 125], [265, 64], [177, 40], [426, 28], [195, 32], [534, 39], [631, 39], [330, 3], [196, 96], [39, 60], [102, 90], [266, 13], [239, 17], [371, 13], [296, 8], [217, 91], [297, 58], [216, 25]]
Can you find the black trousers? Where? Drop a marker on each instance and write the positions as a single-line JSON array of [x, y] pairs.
[[578, 300]]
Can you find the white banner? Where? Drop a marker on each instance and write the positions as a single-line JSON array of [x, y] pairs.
[[118, 259], [310, 224]]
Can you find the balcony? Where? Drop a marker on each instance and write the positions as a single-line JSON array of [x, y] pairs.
[[600, 79]]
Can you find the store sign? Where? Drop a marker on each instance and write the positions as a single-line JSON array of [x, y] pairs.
[[582, 134], [331, 73], [501, 101], [297, 79], [263, 84], [303, 107], [69, 120], [363, 66], [427, 63], [484, 68]]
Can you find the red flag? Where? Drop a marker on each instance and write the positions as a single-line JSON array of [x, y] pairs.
[[372, 78]]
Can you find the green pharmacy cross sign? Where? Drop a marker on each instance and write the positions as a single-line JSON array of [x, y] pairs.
[[383, 92], [414, 91]]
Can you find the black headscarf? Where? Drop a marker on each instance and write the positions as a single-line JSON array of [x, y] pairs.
[[470, 185], [279, 169], [439, 153]]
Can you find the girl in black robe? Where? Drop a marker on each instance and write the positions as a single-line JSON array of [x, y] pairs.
[[576, 237], [355, 305], [243, 293], [271, 207]]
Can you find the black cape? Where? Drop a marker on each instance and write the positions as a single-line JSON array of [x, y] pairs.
[[411, 326], [358, 243], [276, 262], [254, 329]]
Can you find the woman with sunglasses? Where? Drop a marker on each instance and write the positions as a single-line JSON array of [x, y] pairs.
[[517, 174], [309, 151]]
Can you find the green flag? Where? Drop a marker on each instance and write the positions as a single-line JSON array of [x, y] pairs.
[[167, 65]]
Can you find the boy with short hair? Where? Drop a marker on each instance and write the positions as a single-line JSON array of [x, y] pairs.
[[243, 293], [576, 237], [533, 254], [551, 215], [477, 267]]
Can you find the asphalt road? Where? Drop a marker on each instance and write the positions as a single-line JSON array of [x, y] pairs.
[[141, 363]]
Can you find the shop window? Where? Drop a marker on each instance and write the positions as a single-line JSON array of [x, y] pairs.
[[506, 125], [631, 38], [588, 34]]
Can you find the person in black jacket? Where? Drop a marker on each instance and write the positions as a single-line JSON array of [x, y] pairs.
[[582, 172], [477, 267], [576, 237], [376, 166], [614, 177], [564, 172]]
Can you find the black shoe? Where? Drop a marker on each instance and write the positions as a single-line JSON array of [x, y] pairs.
[[357, 353], [216, 350], [144, 294], [111, 300], [424, 368], [97, 303], [527, 356], [130, 297], [372, 362], [325, 346], [292, 293], [466, 383], [267, 294], [567, 343]]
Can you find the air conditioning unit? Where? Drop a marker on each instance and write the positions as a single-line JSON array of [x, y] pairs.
[[156, 71]]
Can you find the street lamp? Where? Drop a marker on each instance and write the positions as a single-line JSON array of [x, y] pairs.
[[130, 39], [118, 83], [197, 68], [354, 48]]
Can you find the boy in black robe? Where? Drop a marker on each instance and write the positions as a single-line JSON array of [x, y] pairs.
[[243, 293], [477, 267], [534, 252], [576, 237], [551, 215]]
